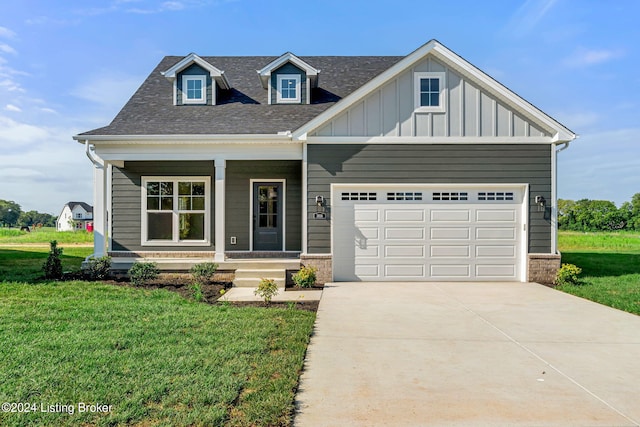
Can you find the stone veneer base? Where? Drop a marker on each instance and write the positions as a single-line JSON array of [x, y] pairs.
[[543, 268], [323, 262]]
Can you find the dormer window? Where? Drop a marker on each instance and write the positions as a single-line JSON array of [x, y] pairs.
[[429, 89], [288, 88], [194, 89]]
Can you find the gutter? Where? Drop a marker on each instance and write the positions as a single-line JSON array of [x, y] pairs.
[[279, 137]]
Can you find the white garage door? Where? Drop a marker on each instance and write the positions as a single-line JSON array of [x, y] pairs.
[[428, 233]]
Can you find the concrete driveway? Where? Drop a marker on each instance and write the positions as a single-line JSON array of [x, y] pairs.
[[472, 354]]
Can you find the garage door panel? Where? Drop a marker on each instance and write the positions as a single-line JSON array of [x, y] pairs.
[[450, 251], [502, 251], [404, 215], [368, 215], [367, 251], [496, 233], [368, 232], [406, 233], [367, 270], [404, 270], [450, 233], [404, 251], [491, 215], [488, 271], [450, 270], [449, 215]]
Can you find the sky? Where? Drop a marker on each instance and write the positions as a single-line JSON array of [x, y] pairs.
[[69, 66]]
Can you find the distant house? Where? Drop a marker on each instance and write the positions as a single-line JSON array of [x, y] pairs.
[[75, 216]]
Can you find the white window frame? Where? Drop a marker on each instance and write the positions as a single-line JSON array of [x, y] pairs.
[[442, 77], [175, 241], [203, 80], [298, 97]]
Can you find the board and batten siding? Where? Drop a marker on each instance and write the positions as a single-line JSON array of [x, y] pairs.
[[238, 212], [429, 164], [470, 111], [126, 201]]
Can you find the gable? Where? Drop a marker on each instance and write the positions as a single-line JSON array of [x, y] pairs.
[[195, 70], [288, 69], [468, 104]]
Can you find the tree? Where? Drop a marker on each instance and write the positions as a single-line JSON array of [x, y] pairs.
[[9, 213], [32, 218]]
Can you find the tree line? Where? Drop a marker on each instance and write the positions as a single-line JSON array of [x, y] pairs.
[[11, 215], [599, 215]]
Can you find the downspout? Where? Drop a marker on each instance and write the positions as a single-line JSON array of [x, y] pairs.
[[98, 164]]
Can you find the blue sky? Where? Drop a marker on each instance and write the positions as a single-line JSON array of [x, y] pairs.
[[69, 66]]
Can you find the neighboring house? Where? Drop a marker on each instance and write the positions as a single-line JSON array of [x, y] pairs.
[[419, 168], [75, 216]]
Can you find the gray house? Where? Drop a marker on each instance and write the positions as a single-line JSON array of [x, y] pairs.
[[371, 168]]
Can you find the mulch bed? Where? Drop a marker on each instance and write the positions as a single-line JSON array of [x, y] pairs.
[[181, 284]]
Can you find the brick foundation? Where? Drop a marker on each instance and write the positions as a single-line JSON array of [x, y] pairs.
[[322, 262], [543, 268]]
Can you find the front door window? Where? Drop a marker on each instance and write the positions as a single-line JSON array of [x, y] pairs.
[[267, 216]]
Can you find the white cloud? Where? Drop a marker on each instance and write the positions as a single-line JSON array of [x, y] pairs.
[[48, 110], [15, 135], [586, 57], [109, 90], [527, 17], [11, 107], [7, 49], [6, 33]]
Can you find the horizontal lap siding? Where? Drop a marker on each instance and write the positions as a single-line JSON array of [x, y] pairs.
[[446, 164], [126, 202]]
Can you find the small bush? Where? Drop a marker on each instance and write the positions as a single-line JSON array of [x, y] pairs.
[[53, 265], [142, 272], [196, 292], [306, 277], [203, 272], [267, 289], [98, 268], [568, 275]]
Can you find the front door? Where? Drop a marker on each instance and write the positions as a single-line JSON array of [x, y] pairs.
[[267, 216]]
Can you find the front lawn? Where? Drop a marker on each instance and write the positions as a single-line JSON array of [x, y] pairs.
[[23, 263], [153, 356], [44, 236], [610, 265]]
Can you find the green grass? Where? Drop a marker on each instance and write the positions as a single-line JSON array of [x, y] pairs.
[[24, 263], [155, 357], [44, 236], [610, 265]]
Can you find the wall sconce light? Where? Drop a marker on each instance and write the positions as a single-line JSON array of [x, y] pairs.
[[319, 213], [541, 202]]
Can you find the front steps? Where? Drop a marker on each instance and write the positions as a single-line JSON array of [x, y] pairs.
[[249, 273]]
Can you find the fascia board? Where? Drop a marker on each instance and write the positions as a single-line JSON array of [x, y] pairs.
[[169, 139], [265, 72], [192, 58]]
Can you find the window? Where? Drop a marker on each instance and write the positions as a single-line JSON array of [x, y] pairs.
[[450, 196], [430, 92], [400, 196], [497, 195], [175, 210], [359, 196], [288, 88], [194, 89], [78, 216]]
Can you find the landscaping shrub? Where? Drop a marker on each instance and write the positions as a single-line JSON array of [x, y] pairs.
[[267, 289], [306, 277], [196, 292], [98, 268], [53, 266], [142, 272], [568, 275], [203, 272]]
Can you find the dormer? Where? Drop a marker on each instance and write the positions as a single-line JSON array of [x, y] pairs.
[[289, 80], [195, 81]]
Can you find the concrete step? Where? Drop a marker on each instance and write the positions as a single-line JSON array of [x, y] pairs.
[[253, 282], [257, 264], [243, 273]]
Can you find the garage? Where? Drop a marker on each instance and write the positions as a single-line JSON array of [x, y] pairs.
[[421, 232]]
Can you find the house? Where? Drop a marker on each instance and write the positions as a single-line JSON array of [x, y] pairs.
[[75, 216], [372, 168]]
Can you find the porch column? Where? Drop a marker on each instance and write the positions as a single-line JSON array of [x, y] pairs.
[[99, 210], [220, 165]]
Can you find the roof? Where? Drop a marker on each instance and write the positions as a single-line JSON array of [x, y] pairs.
[[243, 109], [88, 208]]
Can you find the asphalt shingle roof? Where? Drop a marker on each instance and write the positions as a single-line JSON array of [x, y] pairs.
[[244, 108]]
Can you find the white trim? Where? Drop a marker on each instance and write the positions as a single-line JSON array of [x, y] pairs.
[[220, 165], [442, 84], [192, 58], [172, 139], [175, 92], [265, 72], [175, 216], [279, 98], [284, 209], [560, 133], [336, 188], [554, 200], [425, 140], [109, 210], [305, 195], [203, 82]]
